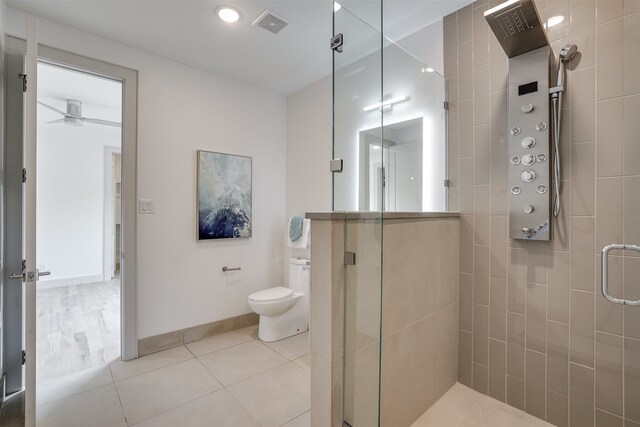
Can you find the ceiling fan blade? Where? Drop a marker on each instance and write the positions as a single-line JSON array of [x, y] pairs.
[[52, 108], [57, 121], [101, 122]]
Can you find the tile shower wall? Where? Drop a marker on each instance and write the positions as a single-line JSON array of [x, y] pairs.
[[534, 329], [419, 314]]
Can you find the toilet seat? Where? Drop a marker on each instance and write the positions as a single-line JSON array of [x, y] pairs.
[[275, 294]]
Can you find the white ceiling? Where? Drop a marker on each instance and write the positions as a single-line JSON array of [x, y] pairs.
[[101, 98], [188, 31]]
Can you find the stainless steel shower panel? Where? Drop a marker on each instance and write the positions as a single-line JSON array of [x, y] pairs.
[[517, 26], [529, 153]]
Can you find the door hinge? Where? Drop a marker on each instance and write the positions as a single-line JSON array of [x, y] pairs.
[[24, 175], [446, 105], [336, 165], [24, 81], [336, 42], [349, 258], [447, 183], [24, 357]]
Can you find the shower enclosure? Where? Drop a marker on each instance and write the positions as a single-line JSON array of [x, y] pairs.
[[390, 148], [548, 327]]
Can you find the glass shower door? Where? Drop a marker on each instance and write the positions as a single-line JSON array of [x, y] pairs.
[[357, 83]]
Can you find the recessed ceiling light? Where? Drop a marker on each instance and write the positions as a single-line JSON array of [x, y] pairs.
[[336, 6], [553, 21], [228, 14], [427, 70]]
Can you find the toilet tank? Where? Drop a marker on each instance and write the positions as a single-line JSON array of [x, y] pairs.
[[299, 275]]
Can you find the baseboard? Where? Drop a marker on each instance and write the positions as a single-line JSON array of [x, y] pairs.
[[69, 281], [173, 339]]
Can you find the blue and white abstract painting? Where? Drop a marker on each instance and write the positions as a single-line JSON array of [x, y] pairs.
[[224, 196]]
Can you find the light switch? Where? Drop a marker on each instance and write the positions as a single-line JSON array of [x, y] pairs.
[[146, 206]]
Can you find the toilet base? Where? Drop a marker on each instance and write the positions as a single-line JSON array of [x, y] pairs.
[[276, 328]]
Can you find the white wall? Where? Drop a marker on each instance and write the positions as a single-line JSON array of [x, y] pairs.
[[70, 199], [181, 110], [427, 44], [308, 187]]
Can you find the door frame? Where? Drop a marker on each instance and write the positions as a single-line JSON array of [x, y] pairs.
[[109, 227], [129, 80]]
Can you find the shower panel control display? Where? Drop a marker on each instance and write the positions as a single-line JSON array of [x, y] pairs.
[[529, 145], [528, 88]]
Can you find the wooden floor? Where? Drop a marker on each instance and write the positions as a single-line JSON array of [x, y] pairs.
[[77, 327]]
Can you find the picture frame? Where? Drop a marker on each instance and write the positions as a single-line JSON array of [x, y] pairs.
[[224, 196]]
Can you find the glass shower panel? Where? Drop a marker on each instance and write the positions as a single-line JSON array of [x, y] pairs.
[[357, 81], [414, 128], [405, 171]]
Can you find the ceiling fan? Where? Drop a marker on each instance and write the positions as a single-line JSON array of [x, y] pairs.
[[73, 116]]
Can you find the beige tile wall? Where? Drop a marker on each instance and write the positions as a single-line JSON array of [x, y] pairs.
[[534, 329], [327, 322], [418, 308], [419, 316]]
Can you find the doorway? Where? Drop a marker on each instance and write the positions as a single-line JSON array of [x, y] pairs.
[[24, 157], [78, 163]]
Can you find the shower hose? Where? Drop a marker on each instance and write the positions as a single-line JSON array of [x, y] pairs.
[[556, 117]]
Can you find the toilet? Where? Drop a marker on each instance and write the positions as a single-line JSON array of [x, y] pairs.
[[284, 311]]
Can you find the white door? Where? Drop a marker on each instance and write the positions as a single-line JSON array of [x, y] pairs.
[[13, 253], [29, 194], [20, 201]]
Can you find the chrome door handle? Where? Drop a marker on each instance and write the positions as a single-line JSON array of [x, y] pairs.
[[605, 273], [21, 275], [225, 269]]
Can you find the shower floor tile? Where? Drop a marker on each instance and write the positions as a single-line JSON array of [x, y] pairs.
[[462, 406]]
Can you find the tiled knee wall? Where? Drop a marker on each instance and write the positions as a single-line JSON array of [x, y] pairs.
[[534, 329]]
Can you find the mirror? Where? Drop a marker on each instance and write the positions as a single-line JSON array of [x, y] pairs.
[[391, 169]]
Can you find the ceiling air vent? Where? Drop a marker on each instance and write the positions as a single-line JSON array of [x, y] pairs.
[[270, 22]]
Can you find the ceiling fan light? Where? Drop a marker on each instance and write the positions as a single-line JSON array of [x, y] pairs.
[[73, 121], [74, 107]]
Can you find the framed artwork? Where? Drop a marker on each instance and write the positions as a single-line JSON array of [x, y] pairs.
[[224, 196]]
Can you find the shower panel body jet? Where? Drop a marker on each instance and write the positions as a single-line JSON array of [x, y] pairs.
[[518, 28]]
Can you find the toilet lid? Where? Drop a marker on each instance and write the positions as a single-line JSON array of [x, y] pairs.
[[278, 293]]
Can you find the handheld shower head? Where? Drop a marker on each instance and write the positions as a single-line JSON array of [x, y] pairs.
[[568, 52]]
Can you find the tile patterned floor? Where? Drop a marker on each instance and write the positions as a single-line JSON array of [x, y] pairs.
[[78, 327], [462, 406], [226, 380]]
